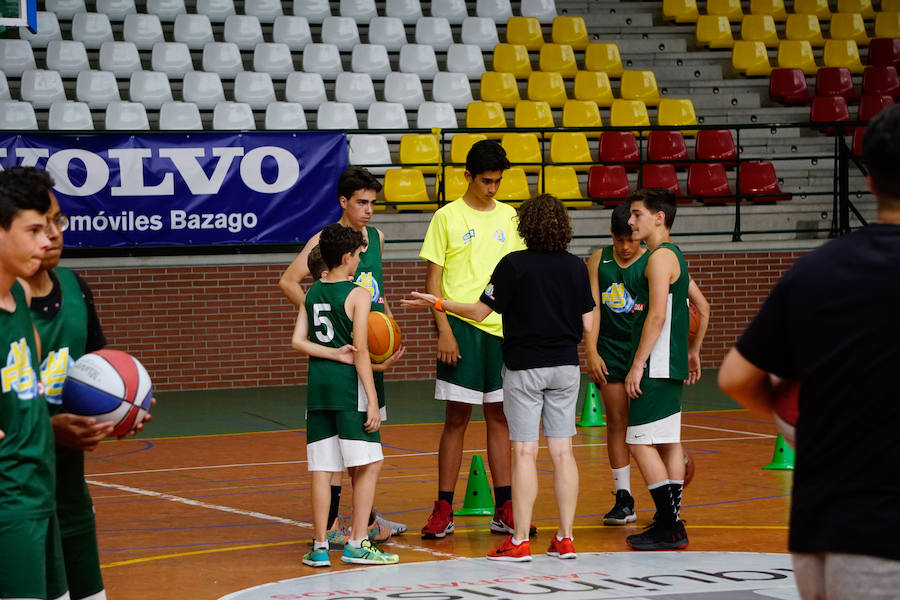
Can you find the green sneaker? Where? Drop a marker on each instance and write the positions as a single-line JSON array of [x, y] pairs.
[[337, 537], [368, 554], [317, 557]]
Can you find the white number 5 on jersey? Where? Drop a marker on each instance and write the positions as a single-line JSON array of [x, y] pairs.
[[320, 319]]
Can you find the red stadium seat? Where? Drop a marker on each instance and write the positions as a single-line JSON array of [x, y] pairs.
[[668, 146], [759, 183], [788, 86], [871, 104], [618, 146], [835, 81], [661, 176], [826, 109], [709, 179], [608, 183], [881, 81], [885, 52], [716, 144]]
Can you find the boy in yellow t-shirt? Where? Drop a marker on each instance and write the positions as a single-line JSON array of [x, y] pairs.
[[465, 241]]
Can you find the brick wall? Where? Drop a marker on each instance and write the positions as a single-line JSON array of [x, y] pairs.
[[229, 326]]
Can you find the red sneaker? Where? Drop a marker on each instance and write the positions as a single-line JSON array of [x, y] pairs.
[[503, 521], [510, 552], [561, 548], [440, 523]]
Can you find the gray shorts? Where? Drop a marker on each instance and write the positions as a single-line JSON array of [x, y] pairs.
[[839, 576], [546, 393]]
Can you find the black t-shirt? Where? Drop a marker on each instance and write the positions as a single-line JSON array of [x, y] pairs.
[[833, 323], [49, 306], [541, 297]]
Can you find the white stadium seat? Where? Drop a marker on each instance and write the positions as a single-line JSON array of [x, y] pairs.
[[274, 59], [70, 116], [293, 31], [223, 58], [285, 115], [65, 9], [405, 88], [233, 116], [121, 58], [315, 11], [172, 58], [434, 31], [143, 30], [127, 116], [91, 29], [361, 11], [17, 116], [355, 88], [480, 31], [67, 57], [324, 59], [47, 30], [419, 59], [387, 31], [387, 115], [453, 10], [42, 88], [453, 88], [193, 30], [116, 10], [366, 149], [166, 10], [97, 88], [264, 10], [16, 56], [409, 11], [306, 89], [336, 115], [243, 30], [216, 10], [255, 89], [150, 88], [467, 59], [436, 114], [179, 116], [372, 59], [203, 89], [4, 88], [498, 10], [543, 10]]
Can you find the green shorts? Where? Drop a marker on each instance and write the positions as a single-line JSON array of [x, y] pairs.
[[659, 399], [477, 377], [82, 558], [32, 564], [336, 439], [617, 354]]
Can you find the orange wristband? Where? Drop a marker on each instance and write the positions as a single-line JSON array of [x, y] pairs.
[[439, 305]]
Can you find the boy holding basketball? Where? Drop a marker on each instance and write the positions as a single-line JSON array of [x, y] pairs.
[[343, 416], [608, 346], [31, 566], [659, 366]]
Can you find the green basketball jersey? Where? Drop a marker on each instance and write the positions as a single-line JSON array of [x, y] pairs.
[[26, 453], [368, 273], [63, 340], [668, 359], [331, 385], [616, 301]]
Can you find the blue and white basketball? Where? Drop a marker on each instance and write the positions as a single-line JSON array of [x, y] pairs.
[[111, 386]]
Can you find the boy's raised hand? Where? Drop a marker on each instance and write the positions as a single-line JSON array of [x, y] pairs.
[[419, 299]]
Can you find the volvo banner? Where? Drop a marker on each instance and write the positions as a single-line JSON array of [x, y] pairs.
[[188, 189]]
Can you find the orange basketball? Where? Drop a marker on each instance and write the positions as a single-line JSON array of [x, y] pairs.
[[688, 468], [787, 409], [694, 323], [384, 336]]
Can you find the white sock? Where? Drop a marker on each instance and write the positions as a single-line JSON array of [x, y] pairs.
[[355, 543], [622, 478], [317, 544], [516, 542], [559, 539]]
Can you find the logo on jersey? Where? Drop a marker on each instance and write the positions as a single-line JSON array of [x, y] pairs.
[[499, 235], [617, 298], [468, 236], [368, 281], [489, 291], [18, 374], [53, 374]]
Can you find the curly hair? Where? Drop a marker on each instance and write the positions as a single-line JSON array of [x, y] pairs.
[[544, 224], [335, 241], [23, 188]]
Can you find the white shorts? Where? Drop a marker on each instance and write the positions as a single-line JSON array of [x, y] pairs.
[[444, 390], [663, 431], [334, 454]]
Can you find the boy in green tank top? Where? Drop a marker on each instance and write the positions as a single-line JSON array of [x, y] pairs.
[[31, 566], [357, 191], [659, 366], [343, 416]]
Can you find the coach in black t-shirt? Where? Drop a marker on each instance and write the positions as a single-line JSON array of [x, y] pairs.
[[544, 296], [832, 325]]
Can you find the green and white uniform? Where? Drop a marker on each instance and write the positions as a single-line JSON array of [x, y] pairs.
[[616, 314], [667, 366], [64, 339], [336, 399], [31, 565], [369, 275]]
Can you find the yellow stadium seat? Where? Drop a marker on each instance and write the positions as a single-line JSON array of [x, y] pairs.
[[582, 113], [863, 7], [775, 8], [604, 57], [797, 55], [548, 87], [714, 31], [454, 180], [804, 28], [525, 31], [639, 85], [523, 150], [416, 148], [593, 85], [726, 8], [460, 145], [500, 87], [819, 8], [680, 11], [750, 58], [887, 24], [677, 112], [562, 182], [843, 53], [485, 114], [627, 113], [512, 58], [407, 187], [890, 6], [558, 58], [571, 31], [513, 187], [759, 28], [849, 26], [571, 147], [536, 115]]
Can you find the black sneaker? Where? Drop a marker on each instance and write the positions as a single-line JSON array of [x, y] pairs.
[[660, 536], [623, 511]]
